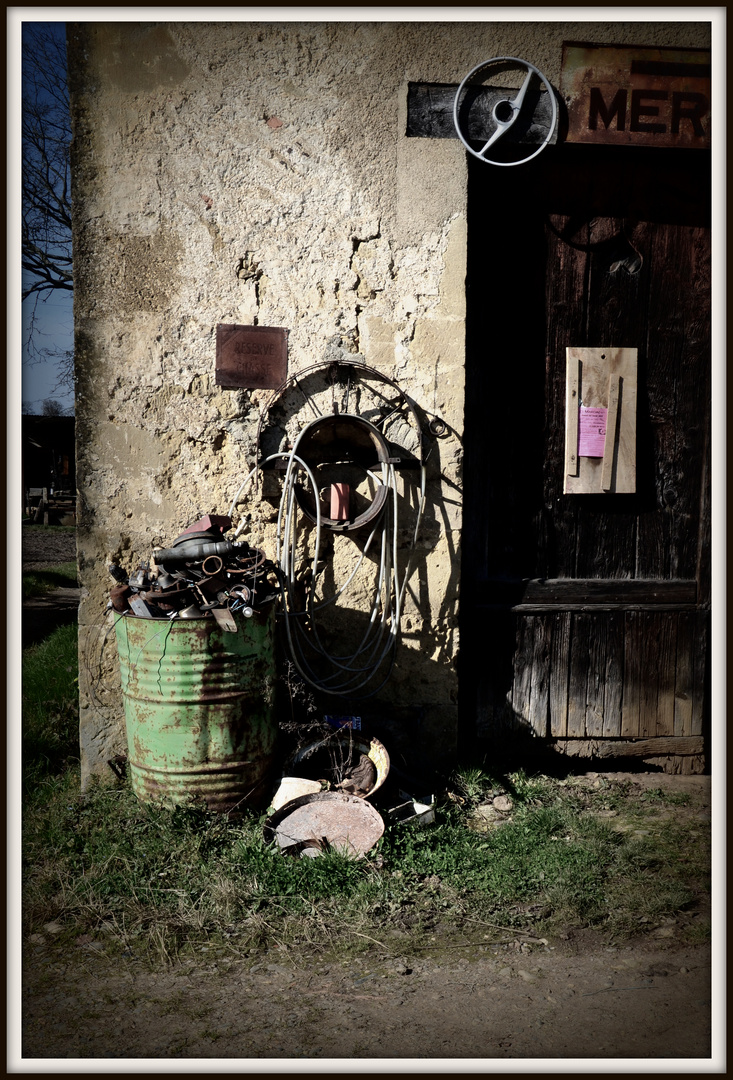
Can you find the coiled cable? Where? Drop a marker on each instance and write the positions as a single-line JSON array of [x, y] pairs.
[[341, 674]]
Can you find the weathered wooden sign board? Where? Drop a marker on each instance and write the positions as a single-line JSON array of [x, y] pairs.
[[430, 113], [600, 421], [629, 95], [251, 357]]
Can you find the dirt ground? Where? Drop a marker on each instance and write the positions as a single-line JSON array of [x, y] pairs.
[[42, 548], [648, 1000], [570, 997]]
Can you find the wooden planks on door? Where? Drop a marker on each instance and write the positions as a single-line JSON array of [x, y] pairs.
[[608, 674]]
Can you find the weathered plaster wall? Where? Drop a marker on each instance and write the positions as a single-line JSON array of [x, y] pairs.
[[258, 173]]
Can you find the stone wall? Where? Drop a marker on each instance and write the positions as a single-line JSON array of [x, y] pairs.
[[258, 173]]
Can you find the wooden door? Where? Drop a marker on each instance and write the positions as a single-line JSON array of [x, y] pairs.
[[584, 618]]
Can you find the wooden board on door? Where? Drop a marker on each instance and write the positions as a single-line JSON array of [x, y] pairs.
[[602, 378]]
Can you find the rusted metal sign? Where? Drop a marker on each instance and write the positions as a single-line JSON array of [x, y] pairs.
[[251, 357], [636, 96]]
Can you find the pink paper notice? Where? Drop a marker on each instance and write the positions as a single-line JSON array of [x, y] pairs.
[[592, 432]]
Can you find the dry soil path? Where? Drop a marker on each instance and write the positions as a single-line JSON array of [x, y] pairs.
[[650, 1000]]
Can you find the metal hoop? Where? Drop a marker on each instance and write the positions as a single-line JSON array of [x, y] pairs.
[[356, 366]]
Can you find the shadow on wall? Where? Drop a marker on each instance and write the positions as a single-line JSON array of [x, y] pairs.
[[343, 646], [403, 690]]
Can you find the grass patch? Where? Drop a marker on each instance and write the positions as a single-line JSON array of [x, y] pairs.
[[39, 582], [161, 884], [50, 706]]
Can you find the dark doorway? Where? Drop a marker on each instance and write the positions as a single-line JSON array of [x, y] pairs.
[[585, 618]]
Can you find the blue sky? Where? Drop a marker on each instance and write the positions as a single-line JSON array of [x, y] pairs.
[[55, 322]]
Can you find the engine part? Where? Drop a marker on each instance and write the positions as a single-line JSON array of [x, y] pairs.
[[165, 581], [212, 565], [194, 548], [240, 592], [193, 611], [236, 577], [173, 598], [140, 579], [119, 595]]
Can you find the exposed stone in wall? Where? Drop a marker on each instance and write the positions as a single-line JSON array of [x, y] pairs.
[[258, 174]]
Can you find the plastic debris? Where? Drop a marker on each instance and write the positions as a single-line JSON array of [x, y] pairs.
[[420, 811]]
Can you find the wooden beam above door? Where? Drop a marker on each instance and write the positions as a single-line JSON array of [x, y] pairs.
[[430, 113]]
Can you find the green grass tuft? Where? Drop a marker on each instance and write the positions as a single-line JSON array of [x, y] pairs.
[[40, 582], [50, 697]]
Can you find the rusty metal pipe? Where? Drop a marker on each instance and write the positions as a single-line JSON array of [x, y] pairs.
[[212, 565]]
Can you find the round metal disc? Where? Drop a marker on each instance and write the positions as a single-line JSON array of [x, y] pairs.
[[314, 823]]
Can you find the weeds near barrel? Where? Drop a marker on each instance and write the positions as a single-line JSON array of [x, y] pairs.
[[158, 884], [50, 707], [146, 883]]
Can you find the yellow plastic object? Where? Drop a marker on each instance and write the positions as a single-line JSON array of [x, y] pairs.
[[342, 742]]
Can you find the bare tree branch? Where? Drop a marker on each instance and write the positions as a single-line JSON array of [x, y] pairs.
[[46, 257]]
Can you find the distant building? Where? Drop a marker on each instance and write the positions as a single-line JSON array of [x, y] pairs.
[[48, 457]]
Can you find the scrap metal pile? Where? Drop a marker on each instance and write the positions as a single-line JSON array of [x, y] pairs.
[[201, 575]]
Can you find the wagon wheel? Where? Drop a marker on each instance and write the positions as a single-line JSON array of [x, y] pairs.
[[348, 422], [339, 387]]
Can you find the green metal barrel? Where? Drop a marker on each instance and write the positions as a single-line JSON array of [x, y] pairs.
[[199, 709]]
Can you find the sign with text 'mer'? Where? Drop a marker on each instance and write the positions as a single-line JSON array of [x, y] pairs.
[[634, 96]]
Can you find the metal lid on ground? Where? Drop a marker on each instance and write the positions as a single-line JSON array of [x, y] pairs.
[[329, 820]]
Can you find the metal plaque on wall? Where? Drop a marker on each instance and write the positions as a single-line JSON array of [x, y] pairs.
[[251, 357]]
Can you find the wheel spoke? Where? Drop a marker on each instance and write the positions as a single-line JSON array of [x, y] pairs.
[[517, 103], [497, 135]]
